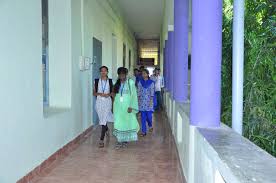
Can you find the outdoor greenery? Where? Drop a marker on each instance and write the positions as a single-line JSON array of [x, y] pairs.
[[259, 71]]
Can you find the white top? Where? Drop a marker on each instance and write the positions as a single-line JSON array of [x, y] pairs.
[[103, 104], [103, 87], [159, 82]]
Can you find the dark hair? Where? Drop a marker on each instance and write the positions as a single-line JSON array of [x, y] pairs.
[[142, 67], [136, 69], [146, 71], [121, 70], [103, 67]]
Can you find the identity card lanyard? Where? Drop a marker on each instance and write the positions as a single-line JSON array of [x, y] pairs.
[[122, 90], [103, 88]]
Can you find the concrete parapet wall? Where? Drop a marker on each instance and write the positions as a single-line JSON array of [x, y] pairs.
[[216, 155]]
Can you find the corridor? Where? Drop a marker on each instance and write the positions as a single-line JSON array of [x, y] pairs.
[[151, 159], [51, 52]]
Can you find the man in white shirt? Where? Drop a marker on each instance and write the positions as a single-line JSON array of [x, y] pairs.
[[159, 85]]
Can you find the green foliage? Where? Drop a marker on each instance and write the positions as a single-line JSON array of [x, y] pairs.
[[259, 72]]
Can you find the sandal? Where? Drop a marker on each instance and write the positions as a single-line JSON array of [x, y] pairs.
[[124, 144], [118, 145], [142, 134], [101, 144], [151, 130]]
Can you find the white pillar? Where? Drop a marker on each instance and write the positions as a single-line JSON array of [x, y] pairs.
[[238, 62]]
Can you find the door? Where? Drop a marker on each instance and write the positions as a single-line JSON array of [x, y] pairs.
[[97, 63]]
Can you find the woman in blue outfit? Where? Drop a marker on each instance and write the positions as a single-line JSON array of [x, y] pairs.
[[145, 100]]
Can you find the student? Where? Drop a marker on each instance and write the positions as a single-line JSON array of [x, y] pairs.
[[159, 85], [136, 73], [125, 108], [102, 90], [136, 76], [141, 68], [139, 77], [145, 95]]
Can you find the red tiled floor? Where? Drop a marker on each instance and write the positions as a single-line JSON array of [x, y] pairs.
[[153, 159]]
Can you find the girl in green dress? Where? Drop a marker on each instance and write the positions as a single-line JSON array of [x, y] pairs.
[[125, 108]]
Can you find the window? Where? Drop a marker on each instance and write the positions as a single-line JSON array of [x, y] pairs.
[[45, 56], [56, 55]]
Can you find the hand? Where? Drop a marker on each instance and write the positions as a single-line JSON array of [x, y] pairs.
[[106, 95], [129, 110], [151, 102], [103, 95], [112, 95]]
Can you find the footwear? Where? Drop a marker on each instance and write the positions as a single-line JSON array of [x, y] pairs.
[[151, 130], [124, 144], [101, 144], [118, 145], [142, 134]]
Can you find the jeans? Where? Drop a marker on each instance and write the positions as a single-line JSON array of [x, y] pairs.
[[159, 100]]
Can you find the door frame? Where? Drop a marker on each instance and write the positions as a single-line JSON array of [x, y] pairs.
[[95, 74]]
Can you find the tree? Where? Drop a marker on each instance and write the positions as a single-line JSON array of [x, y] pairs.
[[259, 69]]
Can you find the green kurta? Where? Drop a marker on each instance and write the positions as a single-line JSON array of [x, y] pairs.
[[126, 125]]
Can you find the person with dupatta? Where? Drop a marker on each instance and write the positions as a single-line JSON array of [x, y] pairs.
[[125, 108], [146, 93]]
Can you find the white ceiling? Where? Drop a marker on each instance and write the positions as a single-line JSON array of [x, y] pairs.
[[144, 17]]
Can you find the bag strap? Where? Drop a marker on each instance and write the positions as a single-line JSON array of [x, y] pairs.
[[96, 85], [110, 85]]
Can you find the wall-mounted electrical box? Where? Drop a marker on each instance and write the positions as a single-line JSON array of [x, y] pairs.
[[84, 63], [87, 63]]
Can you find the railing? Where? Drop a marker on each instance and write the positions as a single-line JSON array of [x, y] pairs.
[[216, 155]]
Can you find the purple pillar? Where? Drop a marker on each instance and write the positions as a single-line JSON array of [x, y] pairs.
[[181, 33], [164, 65], [167, 65], [171, 59], [206, 62]]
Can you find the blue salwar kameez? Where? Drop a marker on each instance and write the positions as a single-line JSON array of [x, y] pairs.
[[146, 102]]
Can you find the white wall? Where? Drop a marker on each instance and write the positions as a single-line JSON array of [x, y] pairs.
[[168, 19], [27, 138], [108, 21], [101, 21], [60, 61], [198, 160]]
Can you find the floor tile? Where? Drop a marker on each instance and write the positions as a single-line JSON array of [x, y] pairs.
[[152, 159]]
